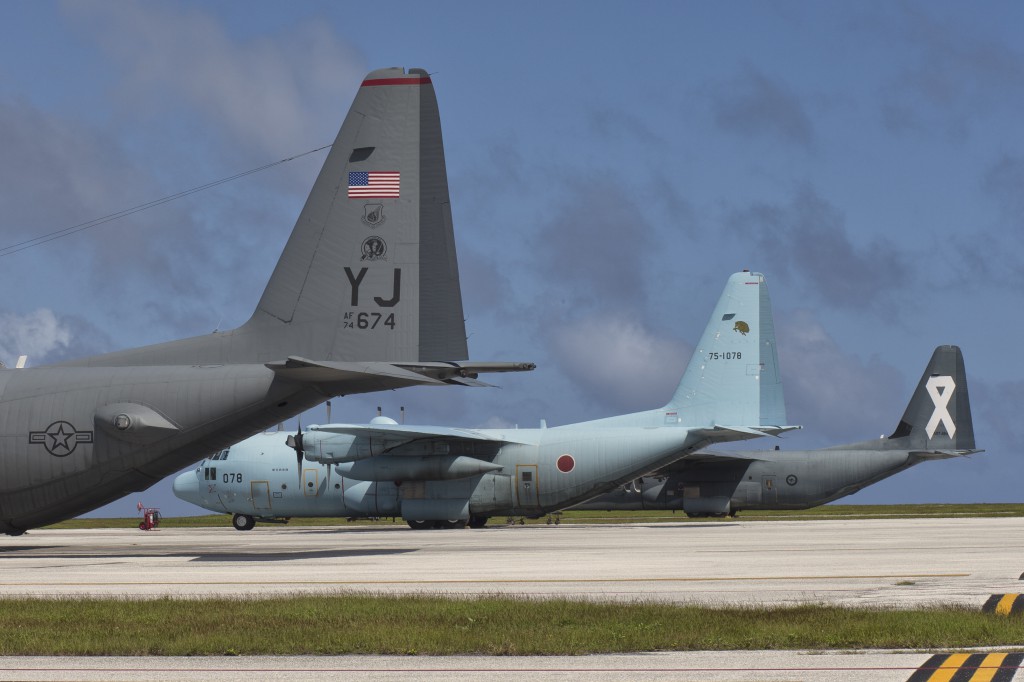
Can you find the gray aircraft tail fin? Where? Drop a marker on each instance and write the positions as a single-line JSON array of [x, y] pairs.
[[939, 414], [370, 270], [733, 377]]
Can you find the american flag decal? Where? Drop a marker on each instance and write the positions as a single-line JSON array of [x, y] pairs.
[[373, 184]]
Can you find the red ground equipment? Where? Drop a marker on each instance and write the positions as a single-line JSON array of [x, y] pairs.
[[150, 517]]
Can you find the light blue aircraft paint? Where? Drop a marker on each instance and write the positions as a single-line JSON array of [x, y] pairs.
[[441, 476]]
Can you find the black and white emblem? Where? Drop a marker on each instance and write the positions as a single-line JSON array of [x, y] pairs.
[[374, 248], [60, 438], [373, 214]]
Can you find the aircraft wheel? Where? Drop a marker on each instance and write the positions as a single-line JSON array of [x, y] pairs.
[[243, 522], [451, 523], [477, 521], [420, 525]]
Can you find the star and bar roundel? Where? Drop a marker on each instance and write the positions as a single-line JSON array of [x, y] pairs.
[[60, 438]]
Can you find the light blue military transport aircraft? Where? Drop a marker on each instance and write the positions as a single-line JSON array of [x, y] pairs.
[[437, 477], [937, 424], [364, 298]]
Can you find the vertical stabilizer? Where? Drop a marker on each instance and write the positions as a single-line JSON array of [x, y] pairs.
[[733, 377], [370, 270], [939, 414]]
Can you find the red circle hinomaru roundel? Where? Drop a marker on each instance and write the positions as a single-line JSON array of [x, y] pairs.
[[565, 463]]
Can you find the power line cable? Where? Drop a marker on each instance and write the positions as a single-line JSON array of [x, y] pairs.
[[67, 231]]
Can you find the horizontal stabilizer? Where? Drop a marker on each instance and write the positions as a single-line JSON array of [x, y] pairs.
[[299, 369], [942, 454], [468, 369], [718, 431], [400, 374], [466, 381]]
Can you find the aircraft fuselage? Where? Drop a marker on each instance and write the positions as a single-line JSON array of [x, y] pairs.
[[774, 480], [74, 438], [542, 471]]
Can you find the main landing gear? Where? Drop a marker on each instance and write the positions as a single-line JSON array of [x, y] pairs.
[[436, 525], [243, 522]]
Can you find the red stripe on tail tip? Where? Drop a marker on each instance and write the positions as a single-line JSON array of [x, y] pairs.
[[416, 80]]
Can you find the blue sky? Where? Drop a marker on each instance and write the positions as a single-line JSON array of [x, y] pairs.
[[610, 165]]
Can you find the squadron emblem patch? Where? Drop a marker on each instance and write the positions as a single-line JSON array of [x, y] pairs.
[[373, 214], [374, 248]]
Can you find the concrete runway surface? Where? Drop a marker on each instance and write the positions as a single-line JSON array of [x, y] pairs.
[[896, 562], [829, 666]]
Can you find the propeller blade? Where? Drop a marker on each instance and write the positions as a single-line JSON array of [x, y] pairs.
[[295, 442]]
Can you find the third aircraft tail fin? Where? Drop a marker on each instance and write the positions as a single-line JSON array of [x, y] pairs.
[[939, 414]]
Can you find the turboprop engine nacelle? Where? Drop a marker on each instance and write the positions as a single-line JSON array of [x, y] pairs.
[[405, 468], [333, 448]]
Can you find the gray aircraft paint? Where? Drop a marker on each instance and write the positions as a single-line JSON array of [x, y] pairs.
[[428, 473], [362, 299], [937, 424]]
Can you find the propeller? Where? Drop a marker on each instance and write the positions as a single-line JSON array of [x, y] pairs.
[[295, 443]]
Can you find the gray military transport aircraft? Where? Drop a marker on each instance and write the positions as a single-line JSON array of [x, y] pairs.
[[364, 298], [937, 424], [436, 477]]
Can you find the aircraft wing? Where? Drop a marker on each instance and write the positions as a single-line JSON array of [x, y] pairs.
[[400, 432], [712, 456], [404, 374]]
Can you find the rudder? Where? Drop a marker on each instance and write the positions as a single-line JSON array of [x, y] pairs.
[[733, 377], [370, 270], [939, 413]]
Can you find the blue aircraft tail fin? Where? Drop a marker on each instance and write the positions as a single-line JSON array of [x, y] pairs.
[[733, 377]]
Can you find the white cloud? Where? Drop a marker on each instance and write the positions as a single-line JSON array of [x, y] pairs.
[[34, 334], [267, 93], [839, 398], [619, 362]]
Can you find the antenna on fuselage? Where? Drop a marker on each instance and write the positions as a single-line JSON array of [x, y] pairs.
[[328, 411], [402, 410]]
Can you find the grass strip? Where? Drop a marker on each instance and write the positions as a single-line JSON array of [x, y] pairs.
[[826, 512], [343, 624]]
